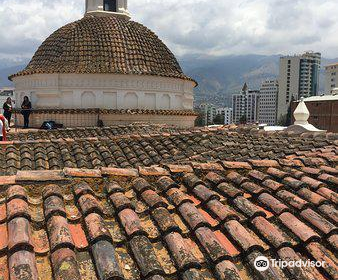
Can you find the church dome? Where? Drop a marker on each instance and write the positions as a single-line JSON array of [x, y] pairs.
[[101, 45]]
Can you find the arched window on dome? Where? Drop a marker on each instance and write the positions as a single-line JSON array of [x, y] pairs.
[[88, 100], [110, 5]]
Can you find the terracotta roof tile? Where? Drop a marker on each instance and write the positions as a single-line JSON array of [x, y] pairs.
[[182, 254], [329, 194], [236, 178], [119, 172], [153, 171], [292, 199], [305, 233], [271, 232], [330, 211], [320, 253], [264, 163], [293, 183], [236, 165], [314, 198], [333, 240], [242, 236], [319, 222], [229, 190], [86, 173], [289, 254], [179, 168], [272, 203], [273, 185]]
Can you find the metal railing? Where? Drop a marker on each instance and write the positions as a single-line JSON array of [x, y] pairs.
[[95, 117]]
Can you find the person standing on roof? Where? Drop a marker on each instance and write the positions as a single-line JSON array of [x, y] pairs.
[[8, 108], [26, 107], [3, 128]]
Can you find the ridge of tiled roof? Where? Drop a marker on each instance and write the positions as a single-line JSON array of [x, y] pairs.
[[152, 129], [95, 132], [198, 221], [107, 131], [145, 149]]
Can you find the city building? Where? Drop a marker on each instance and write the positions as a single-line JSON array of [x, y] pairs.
[[298, 77], [323, 111], [209, 113], [226, 113], [245, 105], [267, 104], [331, 78], [109, 62]]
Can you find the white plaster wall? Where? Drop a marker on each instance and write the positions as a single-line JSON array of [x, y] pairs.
[[107, 91], [97, 5]]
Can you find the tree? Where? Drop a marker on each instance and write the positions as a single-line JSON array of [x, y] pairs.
[[286, 119], [243, 119], [219, 119], [200, 118], [282, 120], [289, 114]]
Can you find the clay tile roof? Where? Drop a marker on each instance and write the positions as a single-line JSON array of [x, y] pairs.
[[140, 145], [104, 45], [170, 221]]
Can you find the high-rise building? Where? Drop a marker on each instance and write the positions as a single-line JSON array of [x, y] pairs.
[[209, 113], [267, 104], [226, 113], [245, 105], [298, 77], [331, 78]]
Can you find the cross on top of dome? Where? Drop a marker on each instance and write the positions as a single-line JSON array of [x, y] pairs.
[[108, 8]]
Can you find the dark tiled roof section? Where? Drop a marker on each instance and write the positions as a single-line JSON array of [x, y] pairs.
[[79, 148], [104, 45], [187, 222], [94, 132]]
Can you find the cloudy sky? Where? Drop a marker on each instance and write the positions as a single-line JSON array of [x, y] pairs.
[[215, 27]]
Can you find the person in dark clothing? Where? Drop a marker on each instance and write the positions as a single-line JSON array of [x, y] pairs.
[[26, 111], [8, 107]]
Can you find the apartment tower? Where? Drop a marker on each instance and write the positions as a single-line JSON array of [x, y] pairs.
[[267, 103], [245, 105], [298, 77], [331, 78]]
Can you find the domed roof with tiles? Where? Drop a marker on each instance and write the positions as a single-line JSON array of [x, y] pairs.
[[104, 45]]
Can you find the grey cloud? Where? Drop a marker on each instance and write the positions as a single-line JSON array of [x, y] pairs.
[[191, 26]]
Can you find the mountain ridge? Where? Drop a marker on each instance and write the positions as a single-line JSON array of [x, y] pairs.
[[218, 77]]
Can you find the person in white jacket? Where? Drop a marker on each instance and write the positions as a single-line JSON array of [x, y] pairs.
[[3, 130]]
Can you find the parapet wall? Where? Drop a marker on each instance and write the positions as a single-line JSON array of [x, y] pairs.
[[90, 117]]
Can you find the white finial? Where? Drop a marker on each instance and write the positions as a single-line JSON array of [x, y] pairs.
[[108, 8], [301, 124], [301, 113]]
